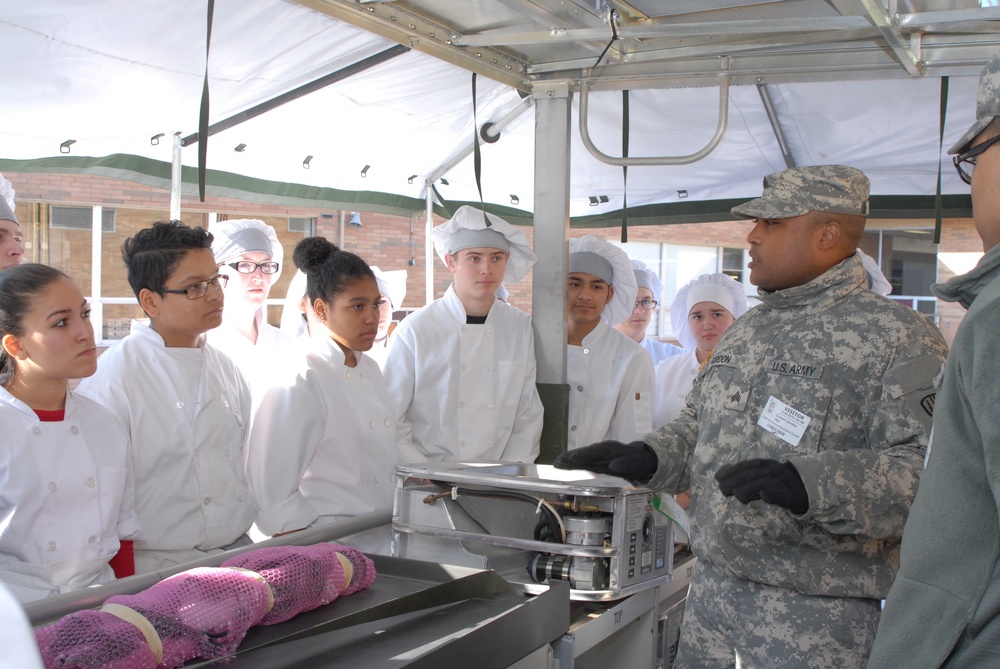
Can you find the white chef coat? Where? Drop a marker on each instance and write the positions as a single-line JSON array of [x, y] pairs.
[[468, 391], [261, 362], [672, 380], [66, 497], [191, 492], [611, 379], [324, 442], [660, 350]]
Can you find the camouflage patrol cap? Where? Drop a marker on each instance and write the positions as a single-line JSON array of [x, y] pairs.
[[837, 189], [987, 103]]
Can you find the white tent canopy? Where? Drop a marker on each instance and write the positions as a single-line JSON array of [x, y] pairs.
[[111, 75]]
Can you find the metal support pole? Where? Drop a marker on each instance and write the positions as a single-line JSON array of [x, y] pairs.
[[429, 244], [551, 233], [175, 180]]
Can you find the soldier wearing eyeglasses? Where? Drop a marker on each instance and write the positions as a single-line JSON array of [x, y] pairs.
[[184, 403], [944, 606], [248, 253]]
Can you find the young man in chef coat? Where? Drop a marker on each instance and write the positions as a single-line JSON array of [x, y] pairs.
[[184, 403], [461, 370], [610, 375]]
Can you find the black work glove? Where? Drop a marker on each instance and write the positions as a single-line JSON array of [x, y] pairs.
[[770, 481], [636, 461]]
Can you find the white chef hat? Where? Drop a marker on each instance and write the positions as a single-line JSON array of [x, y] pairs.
[[392, 284], [244, 235], [719, 288], [7, 201], [469, 228], [647, 278], [602, 259], [876, 279]]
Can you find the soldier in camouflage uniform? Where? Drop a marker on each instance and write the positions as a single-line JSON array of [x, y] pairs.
[[801, 440], [944, 607]]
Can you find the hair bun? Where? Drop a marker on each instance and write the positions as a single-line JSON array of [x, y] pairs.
[[312, 252]]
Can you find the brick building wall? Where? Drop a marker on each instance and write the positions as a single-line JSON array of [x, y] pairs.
[[391, 242]]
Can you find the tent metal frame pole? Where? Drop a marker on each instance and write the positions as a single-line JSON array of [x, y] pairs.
[[175, 179], [553, 118], [772, 116], [305, 89], [429, 243]]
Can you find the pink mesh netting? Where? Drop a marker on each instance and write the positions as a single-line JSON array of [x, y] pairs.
[[205, 612], [304, 577]]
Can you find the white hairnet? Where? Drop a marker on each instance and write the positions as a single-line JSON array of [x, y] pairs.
[[876, 279], [502, 293], [7, 204], [7, 191], [521, 256], [719, 288], [647, 278], [623, 281], [244, 235], [392, 284]]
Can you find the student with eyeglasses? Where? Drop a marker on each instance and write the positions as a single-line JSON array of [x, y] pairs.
[[634, 327], [183, 402], [249, 255]]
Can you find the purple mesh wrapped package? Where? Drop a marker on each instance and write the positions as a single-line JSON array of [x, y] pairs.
[[204, 613], [304, 577]]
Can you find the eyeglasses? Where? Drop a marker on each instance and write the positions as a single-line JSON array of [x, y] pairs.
[[648, 305], [965, 162], [196, 291], [247, 267]]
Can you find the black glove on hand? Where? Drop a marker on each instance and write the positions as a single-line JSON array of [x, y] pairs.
[[770, 481], [635, 462]]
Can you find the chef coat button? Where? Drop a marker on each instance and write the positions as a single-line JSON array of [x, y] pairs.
[[490, 405], [155, 359], [489, 368], [586, 351], [376, 479], [239, 498], [226, 402], [51, 545], [197, 452], [92, 539], [371, 424], [207, 501], [180, 405], [74, 430], [461, 405], [91, 482], [387, 422], [490, 330], [225, 452], [573, 429], [348, 375], [53, 486], [362, 375], [37, 430], [580, 388]]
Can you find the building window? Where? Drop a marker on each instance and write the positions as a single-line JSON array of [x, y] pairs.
[[303, 225], [733, 263], [80, 218]]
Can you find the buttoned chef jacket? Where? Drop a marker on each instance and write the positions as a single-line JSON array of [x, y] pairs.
[[468, 391], [191, 492], [610, 378], [66, 497], [324, 443], [672, 381], [260, 362]]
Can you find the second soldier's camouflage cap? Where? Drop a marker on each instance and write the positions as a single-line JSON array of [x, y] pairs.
[[836, 189], [987, 103]]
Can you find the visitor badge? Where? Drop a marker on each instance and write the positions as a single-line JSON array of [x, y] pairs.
[[783, 421]]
